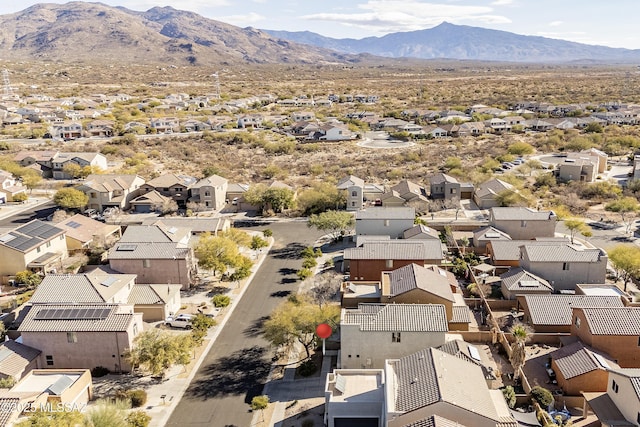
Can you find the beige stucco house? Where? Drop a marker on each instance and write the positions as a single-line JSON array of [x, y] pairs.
[[171, 185], [210, 192], [523, 223], [392, 221], [373, 333], [620, 404], [36, 245], [111, 190], [81, 232], [9, 187]]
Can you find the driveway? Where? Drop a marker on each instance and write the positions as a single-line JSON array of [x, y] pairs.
[[237, 366]]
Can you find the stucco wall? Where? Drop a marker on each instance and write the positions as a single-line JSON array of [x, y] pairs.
[[159, 271]]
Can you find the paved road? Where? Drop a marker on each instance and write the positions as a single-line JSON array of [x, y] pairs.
[[236, 368], [41, 212]]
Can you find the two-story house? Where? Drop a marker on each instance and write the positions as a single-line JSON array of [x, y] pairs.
[[381, 221], [36, 245], [96, 161], [619, 405], [111, 190], [373, 333], [523, 223], [210, 192], [446, 187], [9, 187], [171, 185]]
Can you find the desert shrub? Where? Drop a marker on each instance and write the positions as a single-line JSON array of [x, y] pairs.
[[138, 397], [221, 301], [138, 419], [510, 396], [304, 273], [307, 368], [99, 371], [542, 396], [7, 382], [267, 232], [20, 197], [309, 263]]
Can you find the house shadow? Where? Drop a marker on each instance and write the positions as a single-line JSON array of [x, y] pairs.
[[242, 372], [310, 414], [291, 251]]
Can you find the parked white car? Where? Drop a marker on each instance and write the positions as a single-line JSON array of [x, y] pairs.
[[181, 321]]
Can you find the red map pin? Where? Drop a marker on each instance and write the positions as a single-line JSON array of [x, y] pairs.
[[323, 330]]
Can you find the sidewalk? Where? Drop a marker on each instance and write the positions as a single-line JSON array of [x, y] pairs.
[[11, 209]]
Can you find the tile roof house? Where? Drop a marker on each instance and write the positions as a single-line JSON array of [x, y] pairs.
[[505, 252], [111, 190], [197, 225], [409, 190], [150, 202], [523, 223], [36, 245], [564, 265], [414, 284], [81, 336], [518, 281], [613, 330], [443, 186], [354, 397], [579, 368], [487, 234], [485, 194], [210, 192], [620, 405], [432, 382], [420, 231], [171, 185], [373, 333], [552, 313], [391, 221], [81, 232], [16, 359], [368, 261], [52, 163]]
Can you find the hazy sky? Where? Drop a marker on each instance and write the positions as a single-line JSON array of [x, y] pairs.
[[610, 23]]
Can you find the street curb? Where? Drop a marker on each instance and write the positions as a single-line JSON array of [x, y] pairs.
[[180, 393]]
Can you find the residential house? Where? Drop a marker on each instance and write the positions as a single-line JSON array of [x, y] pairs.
[[354, 397], [156, 254], [384, 221], [67, 131], [16, 359], [471, 354], [392, 199], [81, 336], [619, 405], [354, 188], [577, 169], [165, 125], [431, 383], [171, 185], [193, 125], [111, 190], [43, 159], [302, 116], [447, 187], [435, 132], [415, 284], [482, 236], [253, 121], [598, 156], [506, 253], [410, 191], [579, 368], [332, 132], [36, 245], [552, 313], [518, 281], [210, 192], [613, 330], [197, 225], [96, 161], [151, 202], [373, 333], [565, 265], [9, 187], [523, 223], [102, 128], [486, 195], [497, 125], [420, 232], [368, 261], [81, 232]]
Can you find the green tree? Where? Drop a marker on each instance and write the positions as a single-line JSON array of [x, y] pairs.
[[452, 163], [154, 351], [509, 396], [239, 237], [200, 324], [20, 197], [70, 198], [28, 278], [221, 300], [278, 199], [216, 253], [53, 419], [626, 260], [626, 207], [510, 198], [335, 222], [31, 180], [296, 320], [267, 232], [577, 226], [321, 197], [260, 403], [255, 195], [594, 127], [541, 395], [72, 169]]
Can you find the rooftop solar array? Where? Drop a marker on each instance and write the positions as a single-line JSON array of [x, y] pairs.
[[73, 314], [127, 248], [73, 224], [29, 235], [38, 229]]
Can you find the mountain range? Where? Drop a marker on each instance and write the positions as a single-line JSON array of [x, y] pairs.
[[465, 43], [94, 32]]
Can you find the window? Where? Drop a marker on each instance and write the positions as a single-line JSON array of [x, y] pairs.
[[523, 224], [388, 263], [614, 386], [395, 337], [577, 322], [49, 244], [353, 204], [93, 195], [62, 237], [452, 191], [38, 250], [354, 194], [146, 263], [49, 360], [72, 337], [386, 222], [565, 266], [207, 194], [135, 329], [638, 418]]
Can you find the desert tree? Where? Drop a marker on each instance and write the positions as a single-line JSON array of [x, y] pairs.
[[520, 333], [217, 253], [626, 207], [626, 261], [70, 198], [337, 223], [576, 225]]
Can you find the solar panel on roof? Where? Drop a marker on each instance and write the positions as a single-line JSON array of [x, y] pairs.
[[72, 314], [7, 238], [474, 353], [60, 385], [128, 248], [528, 283], [73, 224]]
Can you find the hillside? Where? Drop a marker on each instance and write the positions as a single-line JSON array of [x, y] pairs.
[[466, 43], [89, 32]]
